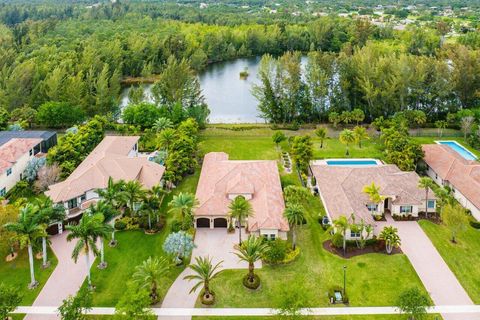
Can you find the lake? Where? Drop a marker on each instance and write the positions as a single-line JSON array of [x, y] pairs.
[[229, 98]]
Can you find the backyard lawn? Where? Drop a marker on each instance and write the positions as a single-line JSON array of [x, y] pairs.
[[133, 248], [462, 257], [17, 274]]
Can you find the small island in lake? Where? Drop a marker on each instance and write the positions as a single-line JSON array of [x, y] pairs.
[[244, 74]]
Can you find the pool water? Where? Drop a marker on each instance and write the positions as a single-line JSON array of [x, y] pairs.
[[352, 162], [459, 149]]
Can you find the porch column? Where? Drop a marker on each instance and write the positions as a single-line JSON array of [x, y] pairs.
[[211, 222]]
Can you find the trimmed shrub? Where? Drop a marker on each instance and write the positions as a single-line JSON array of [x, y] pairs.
[[277, 251], [120, 225], [251, 285], [337, 240], [176, 226], [475, 224]]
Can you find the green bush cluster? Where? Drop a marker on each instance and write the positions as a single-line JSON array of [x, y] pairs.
[[280, 252]]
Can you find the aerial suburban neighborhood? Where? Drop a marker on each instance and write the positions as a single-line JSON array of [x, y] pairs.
[[290, 159]]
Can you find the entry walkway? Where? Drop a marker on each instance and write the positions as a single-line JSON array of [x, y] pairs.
[[438, 279], [215, 243], [65, 280]]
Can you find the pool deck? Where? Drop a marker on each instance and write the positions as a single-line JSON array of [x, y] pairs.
[[323, 162], [459, 145]]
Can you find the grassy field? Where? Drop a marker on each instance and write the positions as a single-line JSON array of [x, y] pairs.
[[17, 274], [133, 248], [462, 257]]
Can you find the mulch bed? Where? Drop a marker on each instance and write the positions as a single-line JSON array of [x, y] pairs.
[[378, 247]]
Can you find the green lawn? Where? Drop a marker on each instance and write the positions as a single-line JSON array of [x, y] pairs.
[[17, 274], [133, 248], [462, 258], [365, 317], [461, 140]]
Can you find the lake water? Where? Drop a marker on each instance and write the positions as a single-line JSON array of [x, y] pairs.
[[229, 98]]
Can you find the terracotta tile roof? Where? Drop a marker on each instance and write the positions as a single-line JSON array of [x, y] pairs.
[[109, 159], [341, 188], [220, 177], [462, 174], [13, 150]]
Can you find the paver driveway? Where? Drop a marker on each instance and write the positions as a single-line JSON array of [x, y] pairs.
[[436, 276], [215, 243], [65, 280]]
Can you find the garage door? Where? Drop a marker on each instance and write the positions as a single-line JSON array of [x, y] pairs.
[[220, 223], [203, 223]]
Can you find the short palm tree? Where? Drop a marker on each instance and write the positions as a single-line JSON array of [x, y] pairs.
[[294, 213], [390, 235], [162, 123], [166, 137], [341, 226], [183, 203], [150, 208], [240, 210], [87, 231], [112, 193], [149, 273], [131, 193], [321, 134], [360, 134], [250, 251], [373, 192], [108, 213], [28, 231], [426, 183], [204, 273], [347, 137]]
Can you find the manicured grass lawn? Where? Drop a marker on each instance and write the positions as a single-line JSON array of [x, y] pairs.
[[240, 147], [372, 280], [462, 257], [333, 148], [365, 317], [17, 274], [133, 248]]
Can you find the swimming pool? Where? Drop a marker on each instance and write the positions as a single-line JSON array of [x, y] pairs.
[[352, 162], [459, 149]]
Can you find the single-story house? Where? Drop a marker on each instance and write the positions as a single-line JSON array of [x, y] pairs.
[[15, 154], [222, 180], [341, 190], [116, 157], [448, 168]]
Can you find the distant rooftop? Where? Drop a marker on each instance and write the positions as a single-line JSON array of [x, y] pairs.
[[6, 136]]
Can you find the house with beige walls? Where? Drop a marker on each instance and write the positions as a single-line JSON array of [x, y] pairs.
[[222, 180]]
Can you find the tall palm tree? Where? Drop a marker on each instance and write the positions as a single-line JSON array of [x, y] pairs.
[[157, 194], [149, 207], [250, 251], [112, 193], [321, 134], [204, 273], [347, 137], [390, 235], [373, 192], [165, 138], [149, 273], [87, 231], [341, 225], [294, 213], [240, 210], [162, 123], [48, 213], [108, 213], [183, 203], [426, 183], [131, 193], [28, 231], [360, 133]]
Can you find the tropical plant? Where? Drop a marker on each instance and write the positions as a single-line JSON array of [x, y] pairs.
[[104, 209], [251, 251], [390, 235], [373, 192], [28, 231], [454, 216], [184, 203], [413, 303], [132, 192], [321, 133], [440, 125], [134, 304], [347, 137], [10, 299], [426, 183], [360, 134], [302, 152], [204, 273], [365, 230], [179, 244], [240, 210], [295, 194], [278, 137], [148, 275], [75, 307], [112, 193], [87, 231], [162, 123], [341, 225], [165, 138], [294, 213]]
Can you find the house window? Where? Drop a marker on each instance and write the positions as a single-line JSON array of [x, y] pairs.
[[436, 176], [83, 197], [453, 190], [372, 207], [31, 152], [72, 203], [272, 237], [9, 171], [3, 192], [354, 234], [431, 204], [406, 209]]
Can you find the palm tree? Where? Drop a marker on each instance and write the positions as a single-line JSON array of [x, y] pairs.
[[373, 191], [294, 213], [165, 138], [112, 193], [183, 203], [162, 123], [390, 235], [157, 194], [48, 213], [250, 251], [28, 231], [426, 183], [240, 209], [347, 137], [87, 231], [108, 213], [321, 134], [131, 193], [149, 273], [341, 225], [204, 273], [441, 125], [360, 134], [149, 207]]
